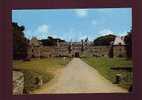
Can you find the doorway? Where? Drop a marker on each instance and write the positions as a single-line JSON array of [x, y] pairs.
[[77, 54]]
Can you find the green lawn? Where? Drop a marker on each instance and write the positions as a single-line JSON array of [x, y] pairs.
[[41, 65], [103, 65], [45, 68]]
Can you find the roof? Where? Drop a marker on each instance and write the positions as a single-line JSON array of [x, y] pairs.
[[119, 41]]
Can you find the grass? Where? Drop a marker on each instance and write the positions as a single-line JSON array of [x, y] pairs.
[[104, 65], [44, 68]]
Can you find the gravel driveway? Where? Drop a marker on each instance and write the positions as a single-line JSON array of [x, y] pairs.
[[79, 77]]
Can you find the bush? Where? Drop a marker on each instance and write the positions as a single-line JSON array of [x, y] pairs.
[[32, 80]]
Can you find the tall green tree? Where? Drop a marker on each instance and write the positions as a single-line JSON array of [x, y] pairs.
[[82, 45], [104, 40], [50, 41], [20, 43], [128, 42]]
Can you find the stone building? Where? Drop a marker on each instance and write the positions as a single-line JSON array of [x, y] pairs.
[[34, 48], [101, 51], [62, 49], [119, 47], [77, 49], [47, 51]]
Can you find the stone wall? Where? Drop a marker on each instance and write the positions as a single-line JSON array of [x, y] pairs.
[[37, 50], [119, 51], [100, 51], [18, 82]]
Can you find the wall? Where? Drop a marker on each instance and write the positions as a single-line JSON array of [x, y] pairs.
[[18, 82], [62, 49], [119, 51], [100, 51]]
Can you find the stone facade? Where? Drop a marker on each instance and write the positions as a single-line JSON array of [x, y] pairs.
[[119, 51], [100, 51], [35, 48], [75, 49], [119, 47]]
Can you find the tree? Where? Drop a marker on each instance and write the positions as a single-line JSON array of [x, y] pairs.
[[128, 42], [82, 45], [20, 43], [50, 41], [69, 48], [104, 40]]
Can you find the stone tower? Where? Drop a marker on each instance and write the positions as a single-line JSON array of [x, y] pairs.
[[119, 47], [35, 47]]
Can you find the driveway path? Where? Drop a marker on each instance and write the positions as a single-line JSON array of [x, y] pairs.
[[79, 77]]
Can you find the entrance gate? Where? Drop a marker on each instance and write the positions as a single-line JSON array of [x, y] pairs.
[[77, 54]]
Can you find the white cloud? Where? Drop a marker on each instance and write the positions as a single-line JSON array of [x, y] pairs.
[[123, 33], [81, 12], [28, 33], [41, 32], [83, 37], [43, 28], [53, 35], [108, 31], [105, 32]]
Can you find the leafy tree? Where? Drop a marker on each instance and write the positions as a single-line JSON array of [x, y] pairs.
[[50, 41], [20, 43], [82, 46], [104, 40], [86, 40], [128, 41], [69, 48]]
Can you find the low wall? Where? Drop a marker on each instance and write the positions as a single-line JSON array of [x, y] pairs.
[[18, 82]]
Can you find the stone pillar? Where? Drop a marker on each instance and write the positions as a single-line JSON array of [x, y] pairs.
[[18, 82]]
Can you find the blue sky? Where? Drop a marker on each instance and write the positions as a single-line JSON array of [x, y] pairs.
[[74, 24]]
